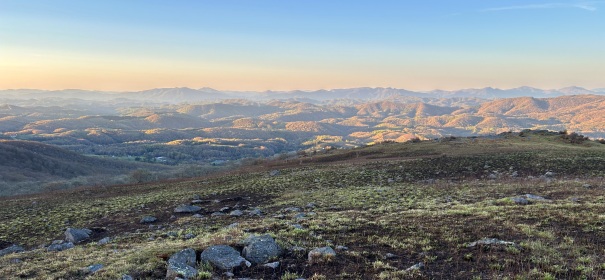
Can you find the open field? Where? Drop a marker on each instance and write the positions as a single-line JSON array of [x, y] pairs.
[[383, 208]]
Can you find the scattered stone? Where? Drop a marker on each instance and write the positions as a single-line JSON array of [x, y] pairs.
[[104, 241], [217, 214], [280, 216], [255, 212], [323, 254], [273, 265], [234, 225], [274, 173], [92, 268], [127, 277], [187, 209], [575, 199], [310, 205], [492, 176], [199, 216], [236, 213], [491, 241], [292, 209], [223, 257], [197, 201], [172, 234], [534, 197], [300, 216], [520, 200], [586, 186], [12, 249], [297, 226], [390, 256], [549, 174], [342, 248], [229, 274], [260, 249], [189, 236], [15, 261], [183, 264], [148, 219], [515, 174], [77, 235], [225, 209], [417, 266], [59, 247], [196, 197]]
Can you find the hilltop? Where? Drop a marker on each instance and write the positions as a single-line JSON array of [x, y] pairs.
[[515, 205]]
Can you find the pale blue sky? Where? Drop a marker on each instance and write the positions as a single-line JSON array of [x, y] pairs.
[[280, 45]]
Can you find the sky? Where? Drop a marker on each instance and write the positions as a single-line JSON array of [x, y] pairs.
[[120, 45]]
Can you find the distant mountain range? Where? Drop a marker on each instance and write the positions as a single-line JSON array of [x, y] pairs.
[[189, 95]]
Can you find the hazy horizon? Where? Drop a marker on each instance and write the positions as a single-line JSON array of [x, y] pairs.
[[277, 45]]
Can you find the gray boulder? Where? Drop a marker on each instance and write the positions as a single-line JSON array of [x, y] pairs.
[[104, 241], [491, 242], [273, 265], [148, 219], [76, 235], [520, 200], [260, 249], [187, 209], [182, 264], [535, 197], [417, 266], [236, 213], [92, 268], [223, 257], [12, 249], [55, 247], [323, 254], [274, 173]]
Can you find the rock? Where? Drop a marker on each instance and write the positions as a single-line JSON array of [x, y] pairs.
[[255, 212], [217, 214], [148, 219], [292, 209], [310, 205], [92, 268], [323, 254], [490, 242], [492, 176], [274, 173], [520, 200], [223, 257], [104, 241], [127, 277], [77, 235], [183, 264], [297, 226], [549, 174], [260, 249], [12, 249], [199, 216], [187, 209], [229, 274], [390, 256], [59, 247], [236, 213], [515, 174], [189, 236], [300, 216], [534, 197], [417, 266], [15, 261], [234, 225], [224, 209], [586, 186], [342, 248], [273, 265], [196, 197]]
